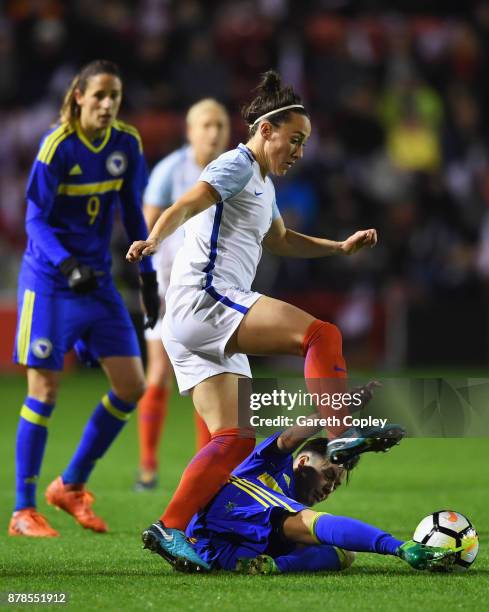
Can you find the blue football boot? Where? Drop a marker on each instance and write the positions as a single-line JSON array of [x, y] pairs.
[[173, 546], [357, 440]]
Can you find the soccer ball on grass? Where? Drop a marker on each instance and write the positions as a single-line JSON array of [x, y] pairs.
[[449, 529]]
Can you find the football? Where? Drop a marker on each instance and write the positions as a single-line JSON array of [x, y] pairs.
[[449, 529]]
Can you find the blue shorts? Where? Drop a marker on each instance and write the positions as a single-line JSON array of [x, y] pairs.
[[244, 520], [49, 323]]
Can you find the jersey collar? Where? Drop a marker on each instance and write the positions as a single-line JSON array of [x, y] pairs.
[[88, 144], [247, 152]]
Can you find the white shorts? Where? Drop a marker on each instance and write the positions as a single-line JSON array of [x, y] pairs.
[[196, 328], [163, 262]]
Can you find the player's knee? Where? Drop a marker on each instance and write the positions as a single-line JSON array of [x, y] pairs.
[[47, 394], [130, 391], [347, 558], [299, 527], [322, 331], [42, 386], [333, 335]]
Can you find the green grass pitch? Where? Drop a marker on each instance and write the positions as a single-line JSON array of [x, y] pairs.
[[111, 572]]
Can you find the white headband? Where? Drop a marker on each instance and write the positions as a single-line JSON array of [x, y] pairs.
[[277, 110]]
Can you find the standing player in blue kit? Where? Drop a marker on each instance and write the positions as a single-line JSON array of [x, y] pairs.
[[87, 165]]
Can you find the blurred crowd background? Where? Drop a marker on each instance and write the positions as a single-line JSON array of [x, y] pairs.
[[398, 101]]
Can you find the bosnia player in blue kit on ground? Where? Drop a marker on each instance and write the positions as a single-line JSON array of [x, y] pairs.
[[87, 165], [261, 521]]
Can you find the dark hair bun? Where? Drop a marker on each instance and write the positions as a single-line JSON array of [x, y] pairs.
[[270, 95], [270, 84]]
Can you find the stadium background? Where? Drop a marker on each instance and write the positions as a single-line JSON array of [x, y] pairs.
[[399, 143], [397, 99]]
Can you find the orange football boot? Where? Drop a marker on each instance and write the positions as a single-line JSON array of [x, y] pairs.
[[77, 502], [28, 522]]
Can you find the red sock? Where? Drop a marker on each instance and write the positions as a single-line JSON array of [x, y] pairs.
[[205, 474], [325, 368], [151, 416], [202, 435]]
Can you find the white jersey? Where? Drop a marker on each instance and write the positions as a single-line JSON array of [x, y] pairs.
[[170, 179], [223, 244]]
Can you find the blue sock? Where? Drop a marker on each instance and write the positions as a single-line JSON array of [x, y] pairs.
[[32, 434], [351, 534], [106, 422], [310, 559]]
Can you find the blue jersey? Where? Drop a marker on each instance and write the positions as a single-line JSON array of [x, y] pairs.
[[244, 517], [268, 466], [74, 189]]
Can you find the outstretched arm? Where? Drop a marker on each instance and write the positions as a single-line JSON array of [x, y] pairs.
[[288, 243], [197, 199], [290, 439], [151, 215]]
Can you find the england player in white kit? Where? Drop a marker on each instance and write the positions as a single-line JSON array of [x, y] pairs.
[[207, 133], [210, 287], [214, 319]]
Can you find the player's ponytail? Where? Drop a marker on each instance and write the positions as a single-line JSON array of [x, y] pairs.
[[70, 111], [270, 96]]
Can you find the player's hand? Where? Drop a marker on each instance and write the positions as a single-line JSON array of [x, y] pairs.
[[358, 240], [151, 299], [82, 279], [365, 393], [140, 249]]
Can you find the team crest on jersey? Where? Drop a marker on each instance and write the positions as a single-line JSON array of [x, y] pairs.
[[42, 348], [116, 163]]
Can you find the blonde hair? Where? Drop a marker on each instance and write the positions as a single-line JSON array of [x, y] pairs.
[[70, 111], [204, 105]]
